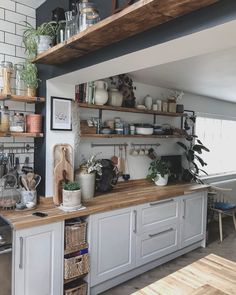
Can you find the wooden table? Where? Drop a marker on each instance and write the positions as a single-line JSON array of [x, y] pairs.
[[207, 276]]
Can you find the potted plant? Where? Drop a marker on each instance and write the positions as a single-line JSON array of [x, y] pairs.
[[71, 194], [191, 152], [37, 40], [30, 78], [86, 177], [159, 172]]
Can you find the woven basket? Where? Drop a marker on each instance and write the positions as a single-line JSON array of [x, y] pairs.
[[77, 290], [76, 266], [75, 235]]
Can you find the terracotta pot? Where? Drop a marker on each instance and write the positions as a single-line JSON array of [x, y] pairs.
[[33, 123]]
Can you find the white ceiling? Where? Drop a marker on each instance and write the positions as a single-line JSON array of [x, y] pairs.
[[31, 3], [212, 75]]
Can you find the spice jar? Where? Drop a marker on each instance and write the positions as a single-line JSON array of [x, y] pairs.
[[17, 123], [6, 69], [4, 119], [20, 85]]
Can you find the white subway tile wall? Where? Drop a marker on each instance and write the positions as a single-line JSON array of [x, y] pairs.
[[12, 22]]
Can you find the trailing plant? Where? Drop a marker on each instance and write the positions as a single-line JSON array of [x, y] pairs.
[[30, 75], [31, 36], [192, 150], [156, 167], [71, 186]]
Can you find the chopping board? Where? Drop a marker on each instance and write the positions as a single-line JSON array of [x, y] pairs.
[[63, 169]]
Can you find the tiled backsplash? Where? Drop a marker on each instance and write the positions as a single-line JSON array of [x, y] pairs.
[[12, 18]]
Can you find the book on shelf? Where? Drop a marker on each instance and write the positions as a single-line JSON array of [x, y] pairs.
[[85, 93]]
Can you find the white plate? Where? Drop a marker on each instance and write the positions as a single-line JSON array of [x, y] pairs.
[[71, 209]]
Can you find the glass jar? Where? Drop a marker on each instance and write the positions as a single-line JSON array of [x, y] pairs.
[[70, 28], [6, 69], [4, 119], [17, 123], [19, 84], [88, 15], [61, 31]]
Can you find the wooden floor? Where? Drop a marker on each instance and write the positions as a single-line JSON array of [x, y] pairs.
[[207, 276]]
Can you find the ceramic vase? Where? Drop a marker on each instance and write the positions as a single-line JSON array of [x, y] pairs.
[[148, 102], [161, 181], [115, 97], [100, 94], [71, 198], [87, 184]]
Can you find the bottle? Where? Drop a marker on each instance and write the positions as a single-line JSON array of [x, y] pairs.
[[70, 25], [6, 68], [4, 119], [61, 31], [19, 84]]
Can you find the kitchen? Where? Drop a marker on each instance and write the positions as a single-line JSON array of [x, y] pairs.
[[63, 86]]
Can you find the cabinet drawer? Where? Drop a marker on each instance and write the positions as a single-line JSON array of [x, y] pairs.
[[159, 213], [156, 243]]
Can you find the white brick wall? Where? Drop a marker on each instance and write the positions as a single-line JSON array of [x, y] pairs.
[[12, 17]]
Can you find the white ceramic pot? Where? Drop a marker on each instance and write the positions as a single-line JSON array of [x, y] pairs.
[[87, 184], [44, 43], [161, 181], [100, 94], [115, 97], [71, 198], [148, 102]]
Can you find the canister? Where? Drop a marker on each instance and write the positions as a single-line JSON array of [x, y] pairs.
[[33, 123]]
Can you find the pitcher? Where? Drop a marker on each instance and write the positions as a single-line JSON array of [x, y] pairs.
[[100, 94]]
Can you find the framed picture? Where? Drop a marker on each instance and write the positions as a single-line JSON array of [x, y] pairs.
[[61, 114]]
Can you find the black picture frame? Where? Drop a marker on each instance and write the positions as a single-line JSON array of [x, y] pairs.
[[61, 114]]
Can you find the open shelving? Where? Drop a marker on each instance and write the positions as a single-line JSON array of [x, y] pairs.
[[20, 134], [136, 18], [22, 98], [129, 136]]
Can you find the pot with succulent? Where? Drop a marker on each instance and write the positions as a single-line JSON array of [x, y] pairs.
[[192, 150], [30, 78], [159, 172], [71, 194], [86, 177], [37, 40]]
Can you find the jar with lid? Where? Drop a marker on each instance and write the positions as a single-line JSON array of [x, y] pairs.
[[19, 84], [4, 119], [6, 69], [17, 122], [88, 15]]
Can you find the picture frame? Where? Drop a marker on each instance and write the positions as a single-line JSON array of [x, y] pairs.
[[61, 114]]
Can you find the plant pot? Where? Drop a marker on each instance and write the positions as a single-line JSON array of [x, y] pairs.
[[161, 181], [71, 198], [87, 184], [44, 42], [30, 91]]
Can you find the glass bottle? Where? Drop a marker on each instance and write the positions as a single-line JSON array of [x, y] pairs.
[[88, 15], [6, 73], [19, 84], [70, 25], [4, 119], [61, 31]]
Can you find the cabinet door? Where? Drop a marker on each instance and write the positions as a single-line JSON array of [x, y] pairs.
[[38, 260], [156, 243], [112, 244], [194, 210]]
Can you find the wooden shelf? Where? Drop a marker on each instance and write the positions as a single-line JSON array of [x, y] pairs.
[[19, 134], [129, 136], [135, 19], [129, 110], [22, 98]]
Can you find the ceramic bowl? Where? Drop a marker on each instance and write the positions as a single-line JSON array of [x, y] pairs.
[[144, 130]]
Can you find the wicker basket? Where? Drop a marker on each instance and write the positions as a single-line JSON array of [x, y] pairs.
[[80, 289], [75, 235], [76, 266]]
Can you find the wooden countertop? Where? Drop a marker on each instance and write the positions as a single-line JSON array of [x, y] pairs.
[[211, 275], [125, 194]]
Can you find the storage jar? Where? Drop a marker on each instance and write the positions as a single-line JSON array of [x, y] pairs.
[[17, 123], [88, 15], [4, 119], [115, 97], [6, 70], [19, 84], [33, 123]]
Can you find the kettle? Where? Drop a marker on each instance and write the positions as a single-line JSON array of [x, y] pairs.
[[101, 93]]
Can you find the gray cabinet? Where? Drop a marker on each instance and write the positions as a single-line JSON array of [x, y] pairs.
[[38, 260], [112, 246], [193, 223]]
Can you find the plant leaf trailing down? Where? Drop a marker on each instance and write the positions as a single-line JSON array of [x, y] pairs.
[[191, 152]]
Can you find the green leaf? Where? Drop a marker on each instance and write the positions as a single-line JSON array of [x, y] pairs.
[[200, 147], [200, 160], [182, 145]]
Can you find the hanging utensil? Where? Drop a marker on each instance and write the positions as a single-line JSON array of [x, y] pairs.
[[126, 175], [114, 158]]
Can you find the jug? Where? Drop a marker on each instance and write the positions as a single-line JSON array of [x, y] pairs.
[[100, 94]]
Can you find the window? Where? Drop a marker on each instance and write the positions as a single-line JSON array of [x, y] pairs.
[[219, 136]]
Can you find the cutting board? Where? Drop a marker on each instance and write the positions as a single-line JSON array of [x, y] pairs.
[[63, 169]]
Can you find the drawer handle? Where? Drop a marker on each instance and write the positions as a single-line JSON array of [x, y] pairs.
[[184, 209], [162, 232], [135, 222], [21, 253], [161, 202]]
